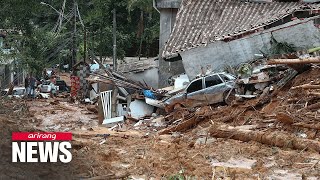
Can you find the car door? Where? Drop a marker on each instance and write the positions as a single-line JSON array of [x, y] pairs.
[[214, 88], [195, 90]]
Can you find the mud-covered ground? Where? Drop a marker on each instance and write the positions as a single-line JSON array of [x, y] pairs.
[[14, 118], [134, 153]]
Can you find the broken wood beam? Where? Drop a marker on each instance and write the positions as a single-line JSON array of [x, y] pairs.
[[306, 86], [288, 119], [295, 61], [285, 118], [274, 138], [308, 126], [315, 106], [181, 127], [313, 94], [290, 74]]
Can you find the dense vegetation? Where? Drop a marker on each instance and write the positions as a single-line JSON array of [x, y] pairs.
[[42, 37]]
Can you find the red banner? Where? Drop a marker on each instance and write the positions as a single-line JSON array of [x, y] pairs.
[[41, 136]]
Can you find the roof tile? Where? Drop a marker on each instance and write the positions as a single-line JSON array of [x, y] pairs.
[[200, 22]]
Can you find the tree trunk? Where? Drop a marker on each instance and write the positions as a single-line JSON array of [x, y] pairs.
[[307, 86], [274, 138], [295, 61]]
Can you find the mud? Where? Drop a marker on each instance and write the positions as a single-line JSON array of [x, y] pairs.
[[140, 152]]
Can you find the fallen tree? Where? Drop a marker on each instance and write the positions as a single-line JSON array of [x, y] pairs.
[[274, 138]]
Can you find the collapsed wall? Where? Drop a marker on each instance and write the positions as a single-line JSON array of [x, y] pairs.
[[303, 34]]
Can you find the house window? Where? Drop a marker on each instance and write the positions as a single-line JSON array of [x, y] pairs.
[[195, 86], [212, 81]]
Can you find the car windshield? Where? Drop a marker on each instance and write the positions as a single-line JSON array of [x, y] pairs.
[[227, 77]]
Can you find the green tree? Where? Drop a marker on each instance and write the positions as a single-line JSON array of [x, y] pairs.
[[38, 46]]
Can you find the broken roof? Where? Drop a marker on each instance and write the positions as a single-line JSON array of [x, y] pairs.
[[137, 65], [200, 22]]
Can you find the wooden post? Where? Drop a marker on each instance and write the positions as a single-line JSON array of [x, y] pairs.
[[114, 101], [100, 112]]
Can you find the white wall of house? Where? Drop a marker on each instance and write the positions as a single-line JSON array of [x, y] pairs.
[[301, 33]]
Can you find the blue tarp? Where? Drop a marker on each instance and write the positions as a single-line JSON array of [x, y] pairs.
[[94, 67], [149, 94]]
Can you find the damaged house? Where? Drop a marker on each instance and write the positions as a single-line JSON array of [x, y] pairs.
[[217, 33]]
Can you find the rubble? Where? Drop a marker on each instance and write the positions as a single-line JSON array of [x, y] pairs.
[[142, 152], [239, 164], [284, 174], [270, 130]]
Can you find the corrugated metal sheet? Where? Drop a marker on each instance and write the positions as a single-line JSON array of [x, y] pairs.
[[200, 22]]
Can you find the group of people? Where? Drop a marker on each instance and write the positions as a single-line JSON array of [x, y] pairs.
[[31, 86], [30, 83]]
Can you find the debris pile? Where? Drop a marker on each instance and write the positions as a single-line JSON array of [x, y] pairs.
[[272, 99], [250, 139], [289, 115], [259, 80]]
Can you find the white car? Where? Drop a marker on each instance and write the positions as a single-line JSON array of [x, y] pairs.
[[17, 92], [46, 88], [209, 89]]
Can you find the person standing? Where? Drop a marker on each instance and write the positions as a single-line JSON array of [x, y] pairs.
[[27, 84], [33, 84], [53, 91], [45, 74]]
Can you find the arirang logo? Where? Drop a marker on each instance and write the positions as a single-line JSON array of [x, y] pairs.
[[41, 147]]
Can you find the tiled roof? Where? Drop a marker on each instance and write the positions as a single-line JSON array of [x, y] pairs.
[[200, 22]]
